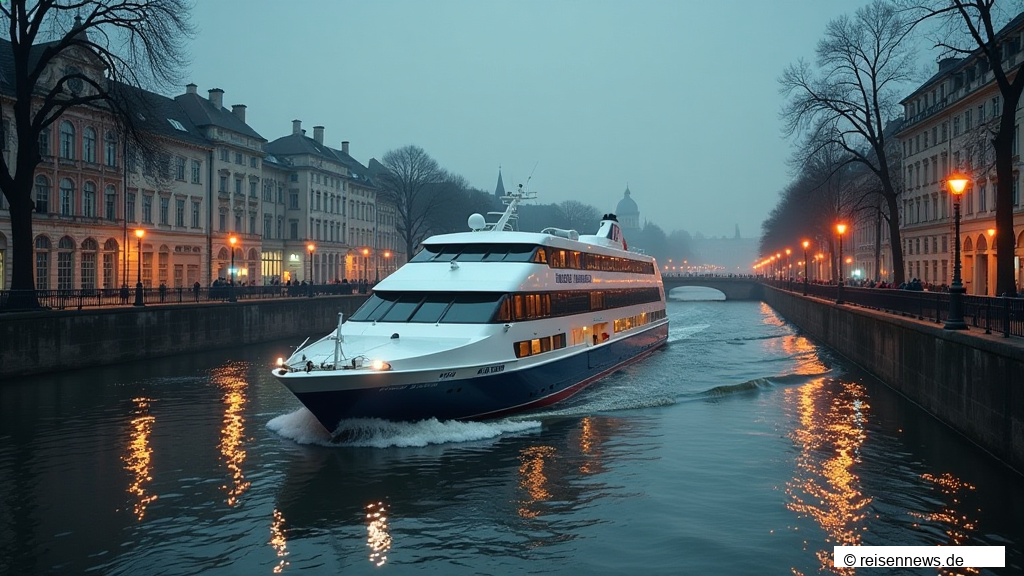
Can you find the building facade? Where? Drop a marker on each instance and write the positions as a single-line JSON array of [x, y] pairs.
[[949, 122]]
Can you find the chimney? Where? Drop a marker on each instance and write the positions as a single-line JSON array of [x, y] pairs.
[[191, 88], [217, 98], [296, 126], [239, 110], [318, 134], [344, 146]]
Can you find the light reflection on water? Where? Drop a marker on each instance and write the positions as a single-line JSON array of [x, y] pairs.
[[825, 486], [231, 380], [138, 457], [740, 448]]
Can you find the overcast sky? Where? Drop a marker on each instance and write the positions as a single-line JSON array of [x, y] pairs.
[[676, 98]]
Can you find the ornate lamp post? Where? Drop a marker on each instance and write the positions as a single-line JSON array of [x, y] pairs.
[[806, 243], [231, 287], [312, 248], [139, 300], [387, 262], [366, 265], [955, 320], [789, 264], [841, 229]]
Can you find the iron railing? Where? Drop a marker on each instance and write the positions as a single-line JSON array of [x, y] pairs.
[[113, 297], [994, 314]]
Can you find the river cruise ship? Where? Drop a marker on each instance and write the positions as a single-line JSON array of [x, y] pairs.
[[486, 323]]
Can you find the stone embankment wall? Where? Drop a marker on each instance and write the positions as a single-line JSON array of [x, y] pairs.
[[971, 381], [36, 342]]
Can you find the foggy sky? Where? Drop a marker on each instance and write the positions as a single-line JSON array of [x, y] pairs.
[[676, 98]]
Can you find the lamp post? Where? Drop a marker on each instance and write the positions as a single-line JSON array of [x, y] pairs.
[[366, 264], [841, 229], [789, 264], [231, 287], [312, 248], [387, 262], [955, 320], [805, 244], [139, 300]]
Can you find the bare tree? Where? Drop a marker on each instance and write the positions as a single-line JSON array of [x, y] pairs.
[[968, 28], [580, 216], [862, 63], [412, 181], [129, 43]]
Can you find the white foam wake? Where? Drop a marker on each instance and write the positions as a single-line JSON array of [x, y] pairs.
[[302, 427]]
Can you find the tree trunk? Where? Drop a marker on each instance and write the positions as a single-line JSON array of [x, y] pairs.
[[895, 245], [23, 294], [878, 245], [1005, 281]]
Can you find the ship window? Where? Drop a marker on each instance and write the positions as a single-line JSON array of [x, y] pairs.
[[540, 256], [402, 309], [372, 309], [432, 308], [520, 253], [472, 308], [539, 345], [428, 253], [474, 252]]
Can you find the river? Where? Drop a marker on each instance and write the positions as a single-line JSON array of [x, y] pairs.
[[739, 448]]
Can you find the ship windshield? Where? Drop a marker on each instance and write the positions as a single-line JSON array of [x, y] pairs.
[[478, 253], [430, 307]]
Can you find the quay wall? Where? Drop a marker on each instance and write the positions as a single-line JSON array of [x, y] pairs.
[[971, 381], [36, 342]]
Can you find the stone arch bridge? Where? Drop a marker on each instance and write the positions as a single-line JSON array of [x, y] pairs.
[[734, 287]]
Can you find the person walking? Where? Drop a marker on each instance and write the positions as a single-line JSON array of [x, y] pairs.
[[195, 289]]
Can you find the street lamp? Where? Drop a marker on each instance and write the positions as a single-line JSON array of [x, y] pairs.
[[955, 320], [387, 262], [231, 287], [789, 264], [841, 228], [139, 300], [366, 265], [312, 248], [806, 243]]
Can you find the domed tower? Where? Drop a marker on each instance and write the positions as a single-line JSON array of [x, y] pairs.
[[628, 214]]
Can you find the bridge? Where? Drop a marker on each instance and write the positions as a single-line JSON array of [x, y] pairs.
[[734, 287]]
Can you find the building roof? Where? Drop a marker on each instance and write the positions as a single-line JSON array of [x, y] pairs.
[[203, 113], [627, 206], [161, 115]]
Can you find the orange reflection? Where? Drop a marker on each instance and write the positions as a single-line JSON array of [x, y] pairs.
[[231, 379], [534, 480], [138, 459], [825, 487], [957, 525], [378, 535], [278, 541]]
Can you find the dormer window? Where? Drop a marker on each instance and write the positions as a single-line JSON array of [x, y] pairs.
[[177, 125]]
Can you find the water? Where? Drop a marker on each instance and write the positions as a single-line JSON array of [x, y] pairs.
[[740, 448]]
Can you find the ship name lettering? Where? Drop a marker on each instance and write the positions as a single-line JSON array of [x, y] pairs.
[[573, 278], [446, 375], [491, 369]]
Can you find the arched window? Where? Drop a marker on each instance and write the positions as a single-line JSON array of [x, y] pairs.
[[89, 200], [89, 250], [89, 145], [67, 140], [42, 194], [67, 197], [110, 153], [42, 263], [65, 263]]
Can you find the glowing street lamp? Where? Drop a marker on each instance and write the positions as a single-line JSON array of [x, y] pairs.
[[312, 248], [841, 229], [955, 320], [789, 264], [231, 287], [139, 300], [806, 243], [387, 262]]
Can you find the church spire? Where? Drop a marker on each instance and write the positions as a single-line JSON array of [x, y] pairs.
[[499, 190]]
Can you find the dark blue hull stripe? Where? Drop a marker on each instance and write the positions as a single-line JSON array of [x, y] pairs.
[[489, 396]]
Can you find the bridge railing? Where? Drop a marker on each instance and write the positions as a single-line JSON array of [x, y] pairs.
[[992, 313]]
